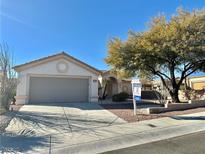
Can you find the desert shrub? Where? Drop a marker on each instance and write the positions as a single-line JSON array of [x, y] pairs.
[[194, 94], [8, 81], [8, 96], [184, 87], [120, 97]]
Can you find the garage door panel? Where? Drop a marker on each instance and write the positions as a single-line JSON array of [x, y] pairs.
[[50, 89]]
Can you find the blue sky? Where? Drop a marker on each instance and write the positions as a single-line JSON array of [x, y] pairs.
[[82, 28]]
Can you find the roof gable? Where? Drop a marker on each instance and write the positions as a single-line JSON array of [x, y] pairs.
[[63, 55]]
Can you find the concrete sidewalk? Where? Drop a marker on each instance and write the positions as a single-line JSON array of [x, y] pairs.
[[126, 135]]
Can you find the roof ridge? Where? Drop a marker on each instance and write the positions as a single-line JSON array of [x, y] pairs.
[[39, 59], [54, 55]]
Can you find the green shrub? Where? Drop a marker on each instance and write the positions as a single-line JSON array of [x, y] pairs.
[[120, 97], [194, 94]]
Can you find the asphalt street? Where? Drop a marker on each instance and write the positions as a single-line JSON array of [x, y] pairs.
[[187, 144]]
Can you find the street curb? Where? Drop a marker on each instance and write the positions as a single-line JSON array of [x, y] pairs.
[[134, 139]]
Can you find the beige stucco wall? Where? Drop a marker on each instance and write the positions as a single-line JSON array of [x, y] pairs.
[[127, 87], [197, 83], [116, 85], [50, 69]]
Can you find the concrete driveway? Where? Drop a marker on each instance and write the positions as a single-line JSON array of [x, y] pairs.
[[34, 126]]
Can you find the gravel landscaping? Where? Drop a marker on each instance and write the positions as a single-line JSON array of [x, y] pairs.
[[6, 118], [125, 111]]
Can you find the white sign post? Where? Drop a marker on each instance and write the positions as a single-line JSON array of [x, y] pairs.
[[136, 90]]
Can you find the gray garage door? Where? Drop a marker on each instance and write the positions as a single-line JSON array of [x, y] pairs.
[[50, 89]]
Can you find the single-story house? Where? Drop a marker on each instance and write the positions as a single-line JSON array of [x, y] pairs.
[[56, 78], [63, 78]]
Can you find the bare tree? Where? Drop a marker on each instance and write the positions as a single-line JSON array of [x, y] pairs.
[[8, 80]]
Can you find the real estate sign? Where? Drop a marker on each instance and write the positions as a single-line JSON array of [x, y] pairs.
[[136, 90]]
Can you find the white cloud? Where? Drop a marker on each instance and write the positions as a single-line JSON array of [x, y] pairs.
[[15, 19]]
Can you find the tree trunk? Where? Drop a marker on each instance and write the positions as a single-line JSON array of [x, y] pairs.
[[175, 95], [174, 91]]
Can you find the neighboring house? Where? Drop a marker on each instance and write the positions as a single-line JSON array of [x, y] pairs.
[[57, 78], [116, 85], [196, 82]]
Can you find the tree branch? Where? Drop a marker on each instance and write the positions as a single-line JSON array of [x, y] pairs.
[[164, 75], [157, 72], [164, 83], [188, 67], [191, 72]]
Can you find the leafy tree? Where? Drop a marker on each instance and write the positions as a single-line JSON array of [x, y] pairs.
[[169, 49]]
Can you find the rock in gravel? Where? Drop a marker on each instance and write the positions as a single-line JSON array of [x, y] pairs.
[[4, 120]]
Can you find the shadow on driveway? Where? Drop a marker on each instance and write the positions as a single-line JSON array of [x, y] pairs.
[[21, 143], [33, 125], [188, 117], [80, 105]]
